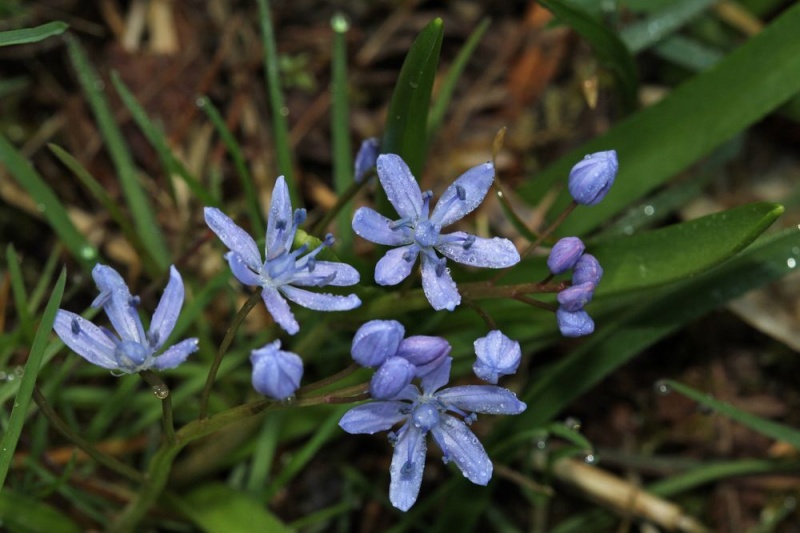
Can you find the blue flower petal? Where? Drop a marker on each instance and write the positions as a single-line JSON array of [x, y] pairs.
[[478, 251], [425, 352], [85, 339], [463, 195], [391, 377], [373, 417], [118, 304], [376, 341], [241, 271], [276, 373], [169, 307], [486, 399], [439, 288], [366, 157], [175, 354], [497, 355], [235, 238], [279, 221], [401, 188], [437, 378], [319, 301], [461, 446], [408, 464], [574, 323], [279, 309], [374, 227], [396, 265], [327, 273]]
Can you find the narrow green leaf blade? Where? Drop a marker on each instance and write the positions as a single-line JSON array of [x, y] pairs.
[[756, 423], [662, 23], [610, 50], [19, 512], [32, 35], [407, 122], [141, 211], [52, 209], [217, 508], [658, 142], [25, 392]]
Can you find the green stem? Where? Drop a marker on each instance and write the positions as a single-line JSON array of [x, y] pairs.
[[161, 465], [330, 379], [161, 392], [341, 201], [226, 342], [106, 460]]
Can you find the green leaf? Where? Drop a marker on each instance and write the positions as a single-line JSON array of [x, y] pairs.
[[610, 50], [20, 294], [32, 35], [340, 125], [159, 142], [280, 127], [681, 250], [217, 508], [407, 121], [658, 142], [141, 211], [51, 207], [25, 392], [630, 332], [658, 25], [22, 513], [756, 423]]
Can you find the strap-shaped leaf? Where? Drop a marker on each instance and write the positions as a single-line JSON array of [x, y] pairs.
[[32, 35]]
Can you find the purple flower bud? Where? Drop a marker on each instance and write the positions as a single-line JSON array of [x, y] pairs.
[[424, 352], [376, 341], [575, 297], [592, 177], [565, 254], [276, 373], [587, 270], [574, 323], [497, 355], [366, 158], [391, 378]]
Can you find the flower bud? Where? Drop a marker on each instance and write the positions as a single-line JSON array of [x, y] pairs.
[[497, 355], [391, 378], [592, 177], [424, 352], [575, 297], [366, 158], [574, 323], [376, 341], [587, 270], [565, 254], [276, 373]]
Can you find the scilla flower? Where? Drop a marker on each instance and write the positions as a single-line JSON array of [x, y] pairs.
[[131, 349], [591, 178], [417, 233], [497, 355], [276, 373], [283, 270], [446, 415]]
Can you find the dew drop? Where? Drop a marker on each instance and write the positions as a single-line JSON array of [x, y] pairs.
[[10, 377], [649, 210], [573, 423], [40, 208], [628, 230], [200, 102], [590, 458], [662, 387], [339, 23], [161, 391], [791, 262], [541, 443], [88, 252], [284, 111]]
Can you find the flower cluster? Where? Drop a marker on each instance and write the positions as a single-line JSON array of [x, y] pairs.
[[131, 349], [568, 253], [431, 410], [418, 233]]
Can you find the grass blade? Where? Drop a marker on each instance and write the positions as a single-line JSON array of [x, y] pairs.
[[32, 35], [25, 392], [657, 26], [280, 127], [142, 213], [52, 209], [20, 295]]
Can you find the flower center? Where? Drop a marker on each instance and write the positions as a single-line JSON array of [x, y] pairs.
[[426, 234], [130, 355], [425, 416]]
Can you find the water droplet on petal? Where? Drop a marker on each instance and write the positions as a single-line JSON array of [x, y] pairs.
[[662, 387]]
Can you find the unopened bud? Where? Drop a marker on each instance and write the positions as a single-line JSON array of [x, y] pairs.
[[592, 177]]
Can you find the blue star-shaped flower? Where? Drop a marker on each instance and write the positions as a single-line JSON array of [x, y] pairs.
[[283, 270], [132, 349], [429, 412], [417, 233]]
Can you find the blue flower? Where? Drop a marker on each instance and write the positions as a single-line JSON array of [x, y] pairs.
[[574, 323], [366, 157], [497, 355], [417, 233], [592, 177], [276, 373], [131, 349], [564, 254], [431, 411], [283, 270]]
